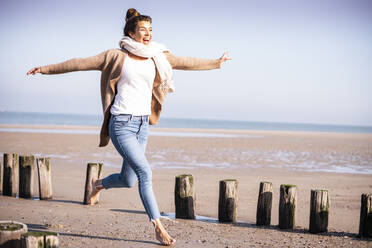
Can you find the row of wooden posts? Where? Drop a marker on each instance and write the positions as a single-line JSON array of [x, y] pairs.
[[228, 200], [17, 176], [184, 195]]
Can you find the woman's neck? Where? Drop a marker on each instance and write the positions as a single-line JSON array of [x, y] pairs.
[[135, 57]]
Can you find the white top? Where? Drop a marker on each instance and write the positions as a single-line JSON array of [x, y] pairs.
[[134, 89]]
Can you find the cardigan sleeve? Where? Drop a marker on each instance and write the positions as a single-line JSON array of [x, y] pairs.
[[189, 63], [77, 64]]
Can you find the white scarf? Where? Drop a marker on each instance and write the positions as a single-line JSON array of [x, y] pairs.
[[156, 52]]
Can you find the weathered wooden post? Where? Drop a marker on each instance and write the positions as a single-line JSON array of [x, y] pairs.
[[51, 240], [45, 180], [40, 240], [319, 211], [184, 197], [264, 204], [26, 176], [287, 206], [94, 172], [10, 234], [365, 225], [33, 240], [1, 178], [10, 175], [228, 200]]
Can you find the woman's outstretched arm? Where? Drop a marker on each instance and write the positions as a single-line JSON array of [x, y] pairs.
[[77, 64], [189, 63]]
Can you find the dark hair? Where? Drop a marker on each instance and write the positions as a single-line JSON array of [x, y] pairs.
[[132, 18]]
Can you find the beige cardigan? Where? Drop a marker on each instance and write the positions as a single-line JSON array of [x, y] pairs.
[[110, 63]]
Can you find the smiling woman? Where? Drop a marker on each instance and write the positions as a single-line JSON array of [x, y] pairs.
[[135, 81], [138, 27]]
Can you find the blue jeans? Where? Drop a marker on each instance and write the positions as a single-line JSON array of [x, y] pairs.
[[129, 135]]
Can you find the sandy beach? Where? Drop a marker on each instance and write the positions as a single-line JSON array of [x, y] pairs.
[[338, 162]]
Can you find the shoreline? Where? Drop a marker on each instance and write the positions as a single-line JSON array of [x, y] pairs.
[[25, 127], [347, 153]]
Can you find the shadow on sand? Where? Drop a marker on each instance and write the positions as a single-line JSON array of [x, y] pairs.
[[271, 227], [38, 228], [107, 238], [67, 201], [299, 230], [128, 211]]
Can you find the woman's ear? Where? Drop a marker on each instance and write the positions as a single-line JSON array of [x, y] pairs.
[[131, 35]]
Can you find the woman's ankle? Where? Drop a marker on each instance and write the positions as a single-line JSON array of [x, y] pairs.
[[159, 226], [156, 223]]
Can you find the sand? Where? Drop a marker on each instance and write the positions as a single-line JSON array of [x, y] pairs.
[[340, 163]]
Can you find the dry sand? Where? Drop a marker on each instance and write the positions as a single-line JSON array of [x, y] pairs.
[[249, 156]]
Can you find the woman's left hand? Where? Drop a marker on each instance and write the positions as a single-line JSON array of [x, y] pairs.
[[225, 57], [34, 71]]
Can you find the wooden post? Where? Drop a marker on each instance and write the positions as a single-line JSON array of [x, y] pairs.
[[365, 225], [26, 176], [40, 240], [10, 175], [33, 240], [287, 206], [94, 172], [1, 178], [264, 204], [228, 200], [51, 240], [184, 197], [45, 181], [319, 211], [10, 234]]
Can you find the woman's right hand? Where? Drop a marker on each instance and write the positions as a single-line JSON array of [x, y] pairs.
[[224, 58], [34, 71]]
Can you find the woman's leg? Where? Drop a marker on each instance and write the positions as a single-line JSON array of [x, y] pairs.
[[130, 139], [160, 232], [127, 178], [125, 134]]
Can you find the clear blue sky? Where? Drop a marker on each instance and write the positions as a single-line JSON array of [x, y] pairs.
[[293, 61]]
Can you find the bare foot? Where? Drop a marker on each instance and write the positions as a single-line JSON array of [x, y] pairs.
[[96, 188], [162, 235]]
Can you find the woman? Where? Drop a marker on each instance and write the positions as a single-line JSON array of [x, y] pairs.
[[134, 83]]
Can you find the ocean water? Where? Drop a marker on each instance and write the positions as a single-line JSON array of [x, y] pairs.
[[303, 160], [96, 120]]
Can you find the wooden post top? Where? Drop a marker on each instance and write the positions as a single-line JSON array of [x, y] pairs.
[[26, 160], [288, 186], [185, 175], [229, 180]]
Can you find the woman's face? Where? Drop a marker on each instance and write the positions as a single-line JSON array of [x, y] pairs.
[[143, 33]]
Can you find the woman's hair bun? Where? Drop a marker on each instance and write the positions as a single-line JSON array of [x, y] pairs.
[[131, 13], [132, 18]]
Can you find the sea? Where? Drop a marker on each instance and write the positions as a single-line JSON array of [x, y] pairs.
[[303, 160], [27, 118]]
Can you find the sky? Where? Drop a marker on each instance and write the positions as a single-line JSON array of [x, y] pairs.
[[292, 61]]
